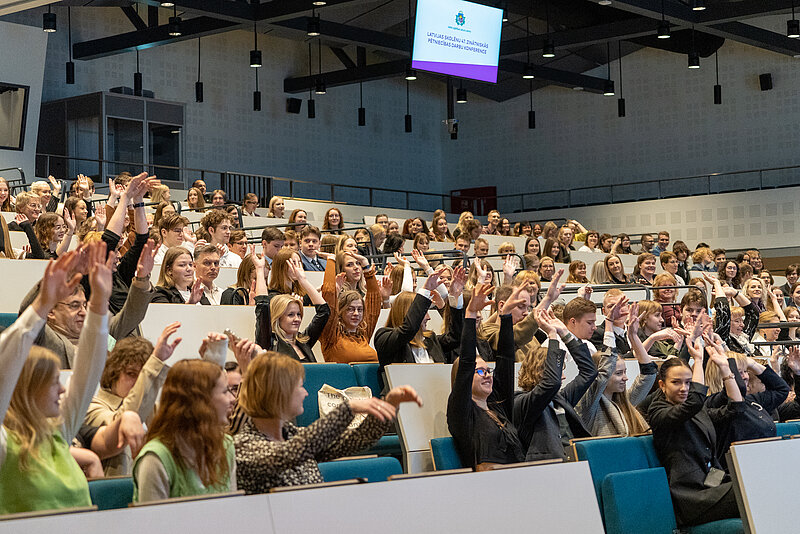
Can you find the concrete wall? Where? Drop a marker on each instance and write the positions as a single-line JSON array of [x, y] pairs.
[[22, 56]]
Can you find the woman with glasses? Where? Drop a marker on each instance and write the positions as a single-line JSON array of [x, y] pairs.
[[481, 401], [54, 234]]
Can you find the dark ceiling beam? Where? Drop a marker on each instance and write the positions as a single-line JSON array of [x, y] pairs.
[[338, 78], [679, 13], [134, 17], [150, 37], [562, 78], [343, 57], [753, 36], [152, 16], [622, 30], [392, 69], [352, 34], [273, 11], [745, 9]]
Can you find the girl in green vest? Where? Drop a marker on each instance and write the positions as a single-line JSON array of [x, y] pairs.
[[188, 452], [37, 471]]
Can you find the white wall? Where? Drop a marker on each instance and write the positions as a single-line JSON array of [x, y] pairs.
[[22, 56], [765, 219], [672, 128]]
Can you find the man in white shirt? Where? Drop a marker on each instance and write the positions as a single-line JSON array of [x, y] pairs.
[[171, 229], [610, 300], [206, 269], [218, 225]]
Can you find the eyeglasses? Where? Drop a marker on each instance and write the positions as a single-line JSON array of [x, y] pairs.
[[234, 390], [484, 372], [75, 306]]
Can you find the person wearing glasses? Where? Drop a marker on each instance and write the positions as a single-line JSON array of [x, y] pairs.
[[249, 205], [54, 233], [481, 401]]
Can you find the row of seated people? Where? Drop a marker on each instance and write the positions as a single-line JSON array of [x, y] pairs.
[[403, 339]]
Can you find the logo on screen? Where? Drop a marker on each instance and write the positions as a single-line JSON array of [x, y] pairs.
[[461, 19]]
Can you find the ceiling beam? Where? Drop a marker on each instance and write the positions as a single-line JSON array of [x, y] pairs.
[[744, 9], [578, 38], [343, 57], [352, 34], [679, 13], [392, 69], [150, 37], [134, 17], [338, 78]]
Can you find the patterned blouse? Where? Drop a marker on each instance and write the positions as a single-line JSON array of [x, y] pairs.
[[262, 463]]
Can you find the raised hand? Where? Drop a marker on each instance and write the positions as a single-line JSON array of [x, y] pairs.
[[385, 287], [59, 281], [551, 324], [483, 275], [214, 348], [433, 280], [21, 218], [513, 300], [401, 394], [54, 184], [100, 218], [131, 432], [26, 249], [244, 351], [479, 300], [69, 220], [196, 293], [458, 282], [401, 261], [260, 262], [341, 279], [585, 292], [437, 300], [388, 270], [793, 359], [295, 269], [375, 407], [188, 235], [615, 313], [695, 348], [419, 257], [101, 271], [146, 259], [362, 261], [554, 290], [164, 349], [510, 265], [632, 322]]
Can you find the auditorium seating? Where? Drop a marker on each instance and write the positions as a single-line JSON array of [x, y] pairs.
[[342, 376], [632, 489], [371, 469], [110, 493], [445, 456]]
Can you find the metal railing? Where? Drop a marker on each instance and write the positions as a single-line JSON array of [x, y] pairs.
[[237, 184], [701, 184], [15, 169]]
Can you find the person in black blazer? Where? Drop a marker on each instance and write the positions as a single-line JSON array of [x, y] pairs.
[[176, 283], [404, 339], [539, 408], [756, 421], [278, 317], [480, 403], [685, 439]]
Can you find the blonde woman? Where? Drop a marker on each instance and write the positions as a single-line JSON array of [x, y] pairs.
[[159, 194], [609, 406], [37, 471], [463, 219], [276, 208], [278, 318]]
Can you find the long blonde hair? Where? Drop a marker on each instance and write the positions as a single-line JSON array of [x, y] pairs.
[[397, 314], [24, 418], [635, 421], [278, 306]]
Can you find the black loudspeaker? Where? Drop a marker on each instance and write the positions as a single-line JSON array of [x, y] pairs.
[[766, 81], [293, 105]]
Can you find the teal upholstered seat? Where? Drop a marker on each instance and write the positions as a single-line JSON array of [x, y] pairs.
[[111, 493], [444, 454], [372, 469], [338, 375]]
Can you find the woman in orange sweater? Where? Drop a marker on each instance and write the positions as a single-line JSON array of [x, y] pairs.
[[353, 317]]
